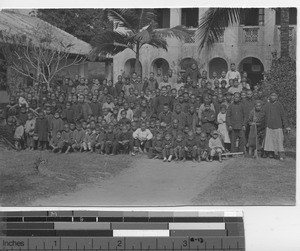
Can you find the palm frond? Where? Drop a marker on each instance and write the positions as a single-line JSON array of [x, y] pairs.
[[179, 32], [213, 22], [158, 42], [109, 43], [145, 17], [126, 18]]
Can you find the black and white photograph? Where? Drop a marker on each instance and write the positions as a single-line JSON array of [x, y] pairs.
[[148, 106]]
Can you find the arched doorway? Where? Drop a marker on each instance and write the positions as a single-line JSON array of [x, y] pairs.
[[161, 64], [129, 67], [186, 63], [218, 65], [254, 68]]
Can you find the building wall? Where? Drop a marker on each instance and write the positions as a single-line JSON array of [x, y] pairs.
[[233, 49]]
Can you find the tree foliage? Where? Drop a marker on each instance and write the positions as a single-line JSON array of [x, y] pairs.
[[40, 57], [134, 28], [282, 79], [81, 23], [215, 20]]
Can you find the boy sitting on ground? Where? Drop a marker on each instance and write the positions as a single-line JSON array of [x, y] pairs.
[[190, 148], [124, 141], [216, 146], [142, 137], [168, 148], [156, 150], [109, 141], [179, 145], [56, 142], [203, 147]]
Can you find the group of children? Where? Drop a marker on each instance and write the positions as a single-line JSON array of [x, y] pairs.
[[190, 118]]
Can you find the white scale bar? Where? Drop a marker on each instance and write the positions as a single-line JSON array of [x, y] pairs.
[[197, 226], [141, 233]]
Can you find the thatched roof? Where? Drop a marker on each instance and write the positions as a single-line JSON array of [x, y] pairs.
[[33, 28]]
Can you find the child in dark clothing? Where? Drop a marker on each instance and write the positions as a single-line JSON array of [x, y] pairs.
[[168, 148], [179, 145], [67, 138], [203, 147], [68, 113], [78, 136], [56, 142], [42, 130], [190, 147], [208, 119], [109, 140], [23, 115], [57, 124], [236, 121], [156, 149], [99, 140], [124, 121], [124, 141]]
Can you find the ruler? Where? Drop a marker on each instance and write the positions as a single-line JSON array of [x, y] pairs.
[[121, 230]]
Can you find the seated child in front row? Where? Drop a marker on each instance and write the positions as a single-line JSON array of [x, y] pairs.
[[142, 138], [179, 145], [168, 148], [29, 130], [124, 141], [87, 140], [190, 147], [19, 135], [109, 141], [156, 149], [99, 139], [203, 147], [216, 146], [67, 138], [56, 142], [78, 136]]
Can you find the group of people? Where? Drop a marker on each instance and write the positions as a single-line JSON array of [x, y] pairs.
[[193, 117]]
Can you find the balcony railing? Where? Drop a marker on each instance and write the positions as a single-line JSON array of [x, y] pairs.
[[251, 34], [292, 33]]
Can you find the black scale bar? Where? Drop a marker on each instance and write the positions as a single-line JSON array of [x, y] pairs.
[[64, 218]]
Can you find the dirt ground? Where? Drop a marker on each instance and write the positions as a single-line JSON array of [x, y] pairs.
[[148, 182], [86, 179]]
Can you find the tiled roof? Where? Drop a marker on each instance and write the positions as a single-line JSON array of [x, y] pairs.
[[16, 23]]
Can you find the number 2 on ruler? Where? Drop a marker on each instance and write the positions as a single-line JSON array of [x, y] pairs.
[[119, 243]]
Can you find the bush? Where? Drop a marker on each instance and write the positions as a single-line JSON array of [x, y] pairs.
[[282, 79]]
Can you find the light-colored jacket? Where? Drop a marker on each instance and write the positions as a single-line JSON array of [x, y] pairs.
[[139, 134]]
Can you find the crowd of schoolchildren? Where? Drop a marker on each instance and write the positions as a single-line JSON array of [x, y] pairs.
[[184, 117]]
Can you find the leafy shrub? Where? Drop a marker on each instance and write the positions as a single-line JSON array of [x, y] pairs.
[[282, 79]]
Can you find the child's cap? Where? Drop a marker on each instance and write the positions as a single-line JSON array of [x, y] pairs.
[[215, 132], [203, 136], [258, 102], [163, 124], [223, 106], [167, 135]]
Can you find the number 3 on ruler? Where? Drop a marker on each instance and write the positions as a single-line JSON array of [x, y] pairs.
[[184, 243]]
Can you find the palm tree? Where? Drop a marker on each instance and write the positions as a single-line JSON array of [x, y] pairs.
[[214, 21], [134, 28]]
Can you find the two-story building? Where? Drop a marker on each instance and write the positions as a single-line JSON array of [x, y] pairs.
[[249, 44]]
